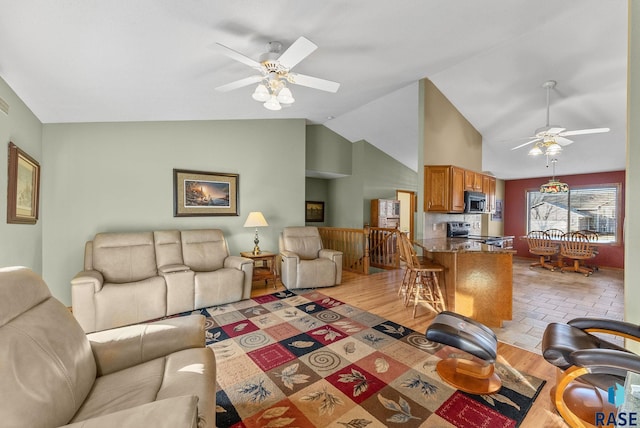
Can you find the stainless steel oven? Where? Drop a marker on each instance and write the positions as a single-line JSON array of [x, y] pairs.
[[460, 229]]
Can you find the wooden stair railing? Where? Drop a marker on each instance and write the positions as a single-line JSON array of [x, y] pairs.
[[354, 244], [384, 252], [362, 248]]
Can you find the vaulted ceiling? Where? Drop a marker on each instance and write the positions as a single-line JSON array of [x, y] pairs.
[[155, 60]]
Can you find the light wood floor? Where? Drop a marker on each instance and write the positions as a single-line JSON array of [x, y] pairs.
[[377, 293]]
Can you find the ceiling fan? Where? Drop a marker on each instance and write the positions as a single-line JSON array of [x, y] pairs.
[[550, 139], [275, 73]]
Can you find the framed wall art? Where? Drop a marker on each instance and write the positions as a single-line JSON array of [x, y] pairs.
[[200, 193], [313, 211], [497, 215], [24, 187]]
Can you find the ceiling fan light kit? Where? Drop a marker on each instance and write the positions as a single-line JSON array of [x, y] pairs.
[[549, 148], [550, 139], [275, 69]]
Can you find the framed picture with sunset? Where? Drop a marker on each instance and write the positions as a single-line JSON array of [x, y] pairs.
[[200, 193]]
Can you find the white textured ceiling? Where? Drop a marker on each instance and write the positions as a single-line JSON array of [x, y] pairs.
[[152, 60]]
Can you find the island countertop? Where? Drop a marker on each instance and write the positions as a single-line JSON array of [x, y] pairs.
[[459, 245]]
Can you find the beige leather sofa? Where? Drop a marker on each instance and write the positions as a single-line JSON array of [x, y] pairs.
[[305, 263], [52, 374], [133, 277]]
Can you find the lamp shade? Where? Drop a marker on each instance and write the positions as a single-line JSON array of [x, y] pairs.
[[285, 96], [261, 93], [553, 149], [272, 104], [255, 219], [554, 186], [535, 151]]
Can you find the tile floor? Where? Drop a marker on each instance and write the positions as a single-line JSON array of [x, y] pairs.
[[541, 296]]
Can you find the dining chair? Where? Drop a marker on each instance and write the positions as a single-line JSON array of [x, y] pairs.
[[593, 237], [541, 245], [556, 236], [577, 247], [423, 284]]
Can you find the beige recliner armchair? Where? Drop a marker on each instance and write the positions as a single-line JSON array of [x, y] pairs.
[[305, 264], [158, 374]]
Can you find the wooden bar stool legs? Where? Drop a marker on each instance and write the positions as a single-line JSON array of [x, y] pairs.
[[420, 282], [426, 289]]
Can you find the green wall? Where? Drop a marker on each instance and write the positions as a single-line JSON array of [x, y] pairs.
[[103, 177], [20, 244], [374, 175], [327, 152]]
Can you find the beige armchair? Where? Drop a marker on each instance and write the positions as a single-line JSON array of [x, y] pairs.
[[305, 263], [158, 374]]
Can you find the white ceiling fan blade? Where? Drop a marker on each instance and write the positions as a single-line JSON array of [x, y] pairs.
[[527, 143], [554, 131], [299, 50], [239, 83], [562, 141], [585, 131], [314, 82], [233, 54]]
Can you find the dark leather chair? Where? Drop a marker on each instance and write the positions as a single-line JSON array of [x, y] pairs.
[[588, 365], [477, 374]]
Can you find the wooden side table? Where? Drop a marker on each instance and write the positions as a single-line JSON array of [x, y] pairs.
[[264, 266]]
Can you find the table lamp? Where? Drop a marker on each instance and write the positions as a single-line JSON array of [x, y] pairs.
[[256, 219]]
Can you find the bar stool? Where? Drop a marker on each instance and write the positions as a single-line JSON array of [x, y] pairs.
[[422, 283]]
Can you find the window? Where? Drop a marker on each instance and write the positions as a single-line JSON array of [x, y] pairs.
[[583, 208]]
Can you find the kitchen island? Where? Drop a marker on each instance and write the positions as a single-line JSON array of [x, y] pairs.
[[478, 278]]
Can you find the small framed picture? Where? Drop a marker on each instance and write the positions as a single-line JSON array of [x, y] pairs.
[[200, 193], [497, 215], [313, 211], [24, 187]]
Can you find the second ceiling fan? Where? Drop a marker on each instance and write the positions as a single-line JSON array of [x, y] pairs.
[[550, 139], [275, 73]]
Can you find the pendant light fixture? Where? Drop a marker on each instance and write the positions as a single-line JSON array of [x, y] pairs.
[[554, 186]]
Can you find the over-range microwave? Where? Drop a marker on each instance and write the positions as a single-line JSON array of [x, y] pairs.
[[474, 202]]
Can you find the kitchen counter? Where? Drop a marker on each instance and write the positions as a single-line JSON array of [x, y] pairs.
[[449, 245], [478, 278]]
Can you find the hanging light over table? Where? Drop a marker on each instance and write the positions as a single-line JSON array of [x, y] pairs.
[[554, 186]]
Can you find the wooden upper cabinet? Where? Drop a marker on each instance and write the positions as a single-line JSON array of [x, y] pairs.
[[489, 187], [469, 178], [443, 188], [473, 181], [457, 189], [437, 182]]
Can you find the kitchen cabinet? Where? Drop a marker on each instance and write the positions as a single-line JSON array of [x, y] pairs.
[[489, 188], [444, 188], [473, 181]]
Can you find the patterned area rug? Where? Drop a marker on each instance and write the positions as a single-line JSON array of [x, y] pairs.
[[306, 360]]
